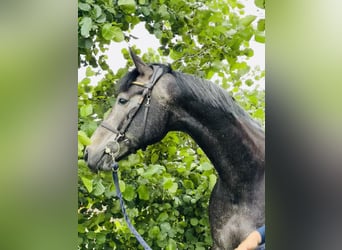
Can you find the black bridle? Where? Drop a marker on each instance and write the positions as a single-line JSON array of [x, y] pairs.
[[121, 132], [120, 135]]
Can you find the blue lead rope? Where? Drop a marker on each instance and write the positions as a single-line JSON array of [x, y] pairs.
[[115, 168]]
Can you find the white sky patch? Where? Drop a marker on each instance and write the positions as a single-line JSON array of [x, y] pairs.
[[146, 40]]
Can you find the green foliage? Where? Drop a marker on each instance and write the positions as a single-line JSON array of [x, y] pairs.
[[167, 202], [260, 3], [167, 187]]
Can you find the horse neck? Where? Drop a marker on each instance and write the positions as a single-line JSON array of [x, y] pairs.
[[231, 140]]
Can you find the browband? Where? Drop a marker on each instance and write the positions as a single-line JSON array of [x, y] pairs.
[[157, 73], [138, 83]]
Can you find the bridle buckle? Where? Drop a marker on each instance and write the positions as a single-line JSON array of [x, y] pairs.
[[119, 136]]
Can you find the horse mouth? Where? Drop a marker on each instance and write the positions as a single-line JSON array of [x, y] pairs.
[[104, 161], [103, 164]]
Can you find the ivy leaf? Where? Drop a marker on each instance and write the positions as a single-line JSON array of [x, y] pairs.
[[261, 25], [143, 193], [86, 110], [100, 238], [80, 148], [248, 52], [87, 183], [110, 32], [85, 43], [127, 5], [89, 72], [110, 192], [154, 232], [170, 185], [83, 138], [98, 188], [97, 11], [188, 184], [154, 158], [122, 186], [86, 24], [171, 245], [260, 3], [162, 217], [84, 6], [212, 181], [249, 82], [194, 221], [253, 100], [173, 188], [126, 2], [129, 193], [107, 31], [168, 182], [163, 11], [259, 37], [205, 166], [102, 18], [166, 229], [247, 20], [152, 170], [85, 81], [259, 113]]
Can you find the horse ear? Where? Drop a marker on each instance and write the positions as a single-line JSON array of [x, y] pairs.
[[142, 67]]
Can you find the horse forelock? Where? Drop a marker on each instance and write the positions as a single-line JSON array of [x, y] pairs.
[[126, 81]]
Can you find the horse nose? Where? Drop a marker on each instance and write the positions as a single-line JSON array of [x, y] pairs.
[[86, 154]]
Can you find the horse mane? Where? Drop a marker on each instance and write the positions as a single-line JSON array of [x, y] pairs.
[[211, 95], [196, 88]]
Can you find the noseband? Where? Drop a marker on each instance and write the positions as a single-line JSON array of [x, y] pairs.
[[120, 133]]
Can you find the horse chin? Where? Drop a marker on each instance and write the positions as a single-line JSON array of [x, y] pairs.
[[105, 163], [107, 166]]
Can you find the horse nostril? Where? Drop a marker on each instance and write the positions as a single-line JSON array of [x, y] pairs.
[[85, 154]]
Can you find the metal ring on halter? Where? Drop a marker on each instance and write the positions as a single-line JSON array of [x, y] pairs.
[[120, 135], [112, 154]]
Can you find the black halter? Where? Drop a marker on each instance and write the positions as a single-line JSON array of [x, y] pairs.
[[120, 133]]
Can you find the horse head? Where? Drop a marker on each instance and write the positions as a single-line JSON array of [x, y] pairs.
[[138, 118]]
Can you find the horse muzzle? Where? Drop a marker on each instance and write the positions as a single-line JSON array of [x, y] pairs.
[[101, 160]]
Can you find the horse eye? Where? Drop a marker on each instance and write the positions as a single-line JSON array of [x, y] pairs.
[[122, 101]]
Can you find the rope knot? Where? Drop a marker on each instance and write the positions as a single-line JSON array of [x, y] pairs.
[[115, 167]]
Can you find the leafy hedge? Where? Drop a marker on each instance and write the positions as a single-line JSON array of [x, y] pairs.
[[166, 190]]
